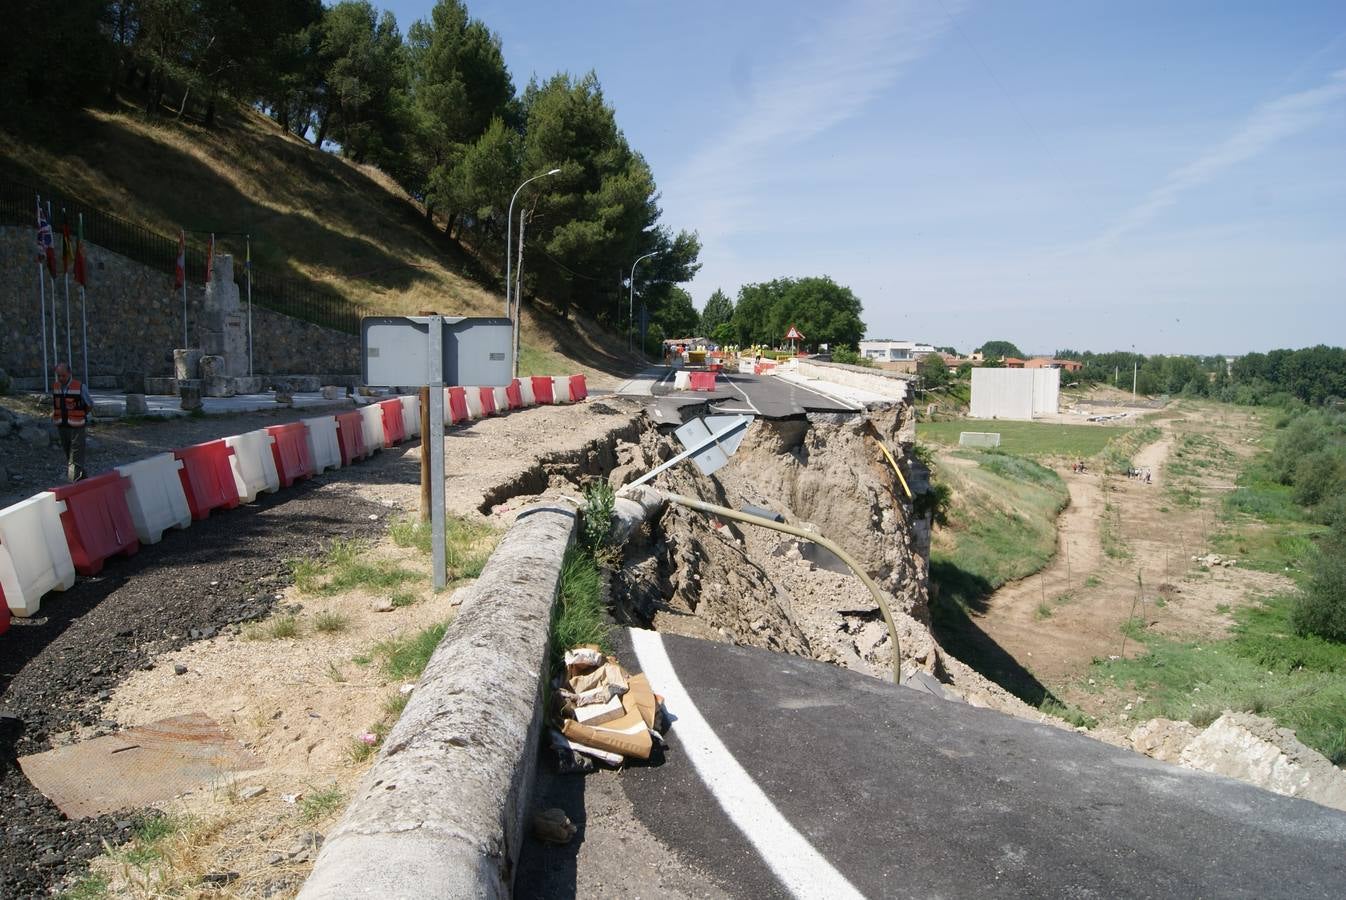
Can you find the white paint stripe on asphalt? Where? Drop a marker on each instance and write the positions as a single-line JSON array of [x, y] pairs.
[[824, 394], [800, 867], [746, 398]]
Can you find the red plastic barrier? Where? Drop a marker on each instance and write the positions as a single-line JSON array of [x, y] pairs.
[[514, 395], [701, 381], [97, 521], [394, 429], [4, 612], [578, 389], [762, 368], [351, 437], [487, 401], [715, 367], [542, 392], [293, 461], [457, 405], [207, 477]]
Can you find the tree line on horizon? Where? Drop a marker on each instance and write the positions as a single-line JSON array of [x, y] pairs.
[[436, 108]]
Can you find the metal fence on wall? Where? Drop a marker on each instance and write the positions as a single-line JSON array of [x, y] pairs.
[[18, 206]]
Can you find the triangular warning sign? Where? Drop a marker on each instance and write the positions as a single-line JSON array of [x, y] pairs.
[[793, 334]]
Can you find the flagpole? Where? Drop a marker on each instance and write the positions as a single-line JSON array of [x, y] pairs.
[[42, 295], [55, 332], [247, 266], [83, 306]]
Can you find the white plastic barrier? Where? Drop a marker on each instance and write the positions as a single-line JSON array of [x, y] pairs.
[[560, 389], [474, 407], [411, 415], [682, 381], [253, 464], [745, 365], [371, 418], [526, 392], [323, 445], [34, 557], [501, 400], [156, 498]]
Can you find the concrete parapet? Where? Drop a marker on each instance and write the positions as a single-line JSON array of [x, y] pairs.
[[442, 811], [890, 384]]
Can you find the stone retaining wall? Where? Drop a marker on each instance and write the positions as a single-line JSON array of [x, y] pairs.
[[890, 384], [135, 320]]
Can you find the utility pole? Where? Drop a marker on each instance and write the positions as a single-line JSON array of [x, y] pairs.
[[518, 293]]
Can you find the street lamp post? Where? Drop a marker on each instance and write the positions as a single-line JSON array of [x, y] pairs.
[[1135, 371], [631, 300], [509, 231]]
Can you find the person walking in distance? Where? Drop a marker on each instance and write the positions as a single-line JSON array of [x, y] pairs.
[[71, 405]]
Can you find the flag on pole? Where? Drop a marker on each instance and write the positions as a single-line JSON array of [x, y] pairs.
[[81, 267], [180, 269], [67, 249], [45, 251], [210, 256]]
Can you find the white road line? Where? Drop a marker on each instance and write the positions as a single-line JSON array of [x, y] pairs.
[[746, 398], [800, 867], [826, 396]]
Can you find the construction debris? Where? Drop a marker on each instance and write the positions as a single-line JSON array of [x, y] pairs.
[[602, 712]]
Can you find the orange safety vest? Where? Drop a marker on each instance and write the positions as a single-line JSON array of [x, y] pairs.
[[68, 407]]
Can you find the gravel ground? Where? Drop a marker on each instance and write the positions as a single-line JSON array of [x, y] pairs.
[[56, 671]]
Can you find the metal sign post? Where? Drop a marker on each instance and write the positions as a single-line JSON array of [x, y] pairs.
[[708, 447], [435, 352]]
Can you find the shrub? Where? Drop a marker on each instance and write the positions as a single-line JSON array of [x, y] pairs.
[[1319, 475], [596, 528], [1320, 608]]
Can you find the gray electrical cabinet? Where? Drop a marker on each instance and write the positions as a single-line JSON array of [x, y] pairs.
[[395, 350]]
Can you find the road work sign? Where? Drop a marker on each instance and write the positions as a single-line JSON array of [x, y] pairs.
[[793, 334], [713, 439]]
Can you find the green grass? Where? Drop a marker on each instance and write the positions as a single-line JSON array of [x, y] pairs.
[[1053, 707], [93, 886], [403, 598], [1001, 525], [147, 837], [395, 703], [1110, 535], [273, 629], [1092, 581], [1033, 439], [578, 616], [321, 803], [406, 657], [330, 622], [467, 544], [334, 672], [1262, 667], [1118, 455], [345, 567]]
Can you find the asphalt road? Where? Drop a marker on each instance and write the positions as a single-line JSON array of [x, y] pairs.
[[765, 396], [787, 777]]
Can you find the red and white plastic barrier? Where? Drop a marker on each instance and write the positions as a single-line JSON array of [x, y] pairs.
[[455, 401], [156, 499], [34, 556], [411, 415], [542, 390], [393, 431], [472, 396], [560, 389], [487, 396], [207, 477], [514, 395], [96, 520], [351, 437], [578, 389], [253, 464], [290, 451], [702, 381], [526, 396], [371, 421], [500, 399], [324, 448]]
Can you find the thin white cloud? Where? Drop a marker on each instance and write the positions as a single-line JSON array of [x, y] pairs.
[[1270, 123], [808, 89]]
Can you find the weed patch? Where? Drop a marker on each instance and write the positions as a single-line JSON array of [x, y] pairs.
[[578, 616], [467, 544], [406, 657], [330, 622], [321, 803]]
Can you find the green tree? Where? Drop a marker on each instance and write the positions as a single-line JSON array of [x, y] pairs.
[[822, 310], [364, 71], [1320, 607], [678, 316], [1000, 349], [933, 370], [719, 311]]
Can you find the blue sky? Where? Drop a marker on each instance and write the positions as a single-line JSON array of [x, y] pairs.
[[1085, 174]]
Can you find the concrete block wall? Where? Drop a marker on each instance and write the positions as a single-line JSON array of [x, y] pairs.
[[135, 320]]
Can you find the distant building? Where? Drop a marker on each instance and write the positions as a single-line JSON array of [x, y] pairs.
[[1044, 362], [883, 351], [1013, 362]]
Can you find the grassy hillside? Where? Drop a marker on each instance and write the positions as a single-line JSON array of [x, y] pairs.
[[313, 216]]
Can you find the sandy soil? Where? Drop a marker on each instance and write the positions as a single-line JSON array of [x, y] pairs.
[[1056, 622]]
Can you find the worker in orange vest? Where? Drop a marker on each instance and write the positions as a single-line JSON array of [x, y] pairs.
[[70, 408]]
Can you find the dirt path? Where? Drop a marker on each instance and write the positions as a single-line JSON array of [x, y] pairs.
[[1129, 547]]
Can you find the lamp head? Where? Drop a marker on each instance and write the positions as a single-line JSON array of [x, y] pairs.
[[554, 172]]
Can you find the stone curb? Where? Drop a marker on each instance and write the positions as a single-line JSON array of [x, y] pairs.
[[441, 812]]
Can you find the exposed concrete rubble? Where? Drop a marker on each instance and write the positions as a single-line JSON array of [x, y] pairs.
[[1252, 749]]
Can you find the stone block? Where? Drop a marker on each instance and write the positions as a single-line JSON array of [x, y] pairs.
[[308, 384], [187, 364], [212, 342], [133, 383], [250, 384], [213, 366], [161, 386], [219, 386], [284, 397], [190, 392], [332, 392], [136, 405]]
